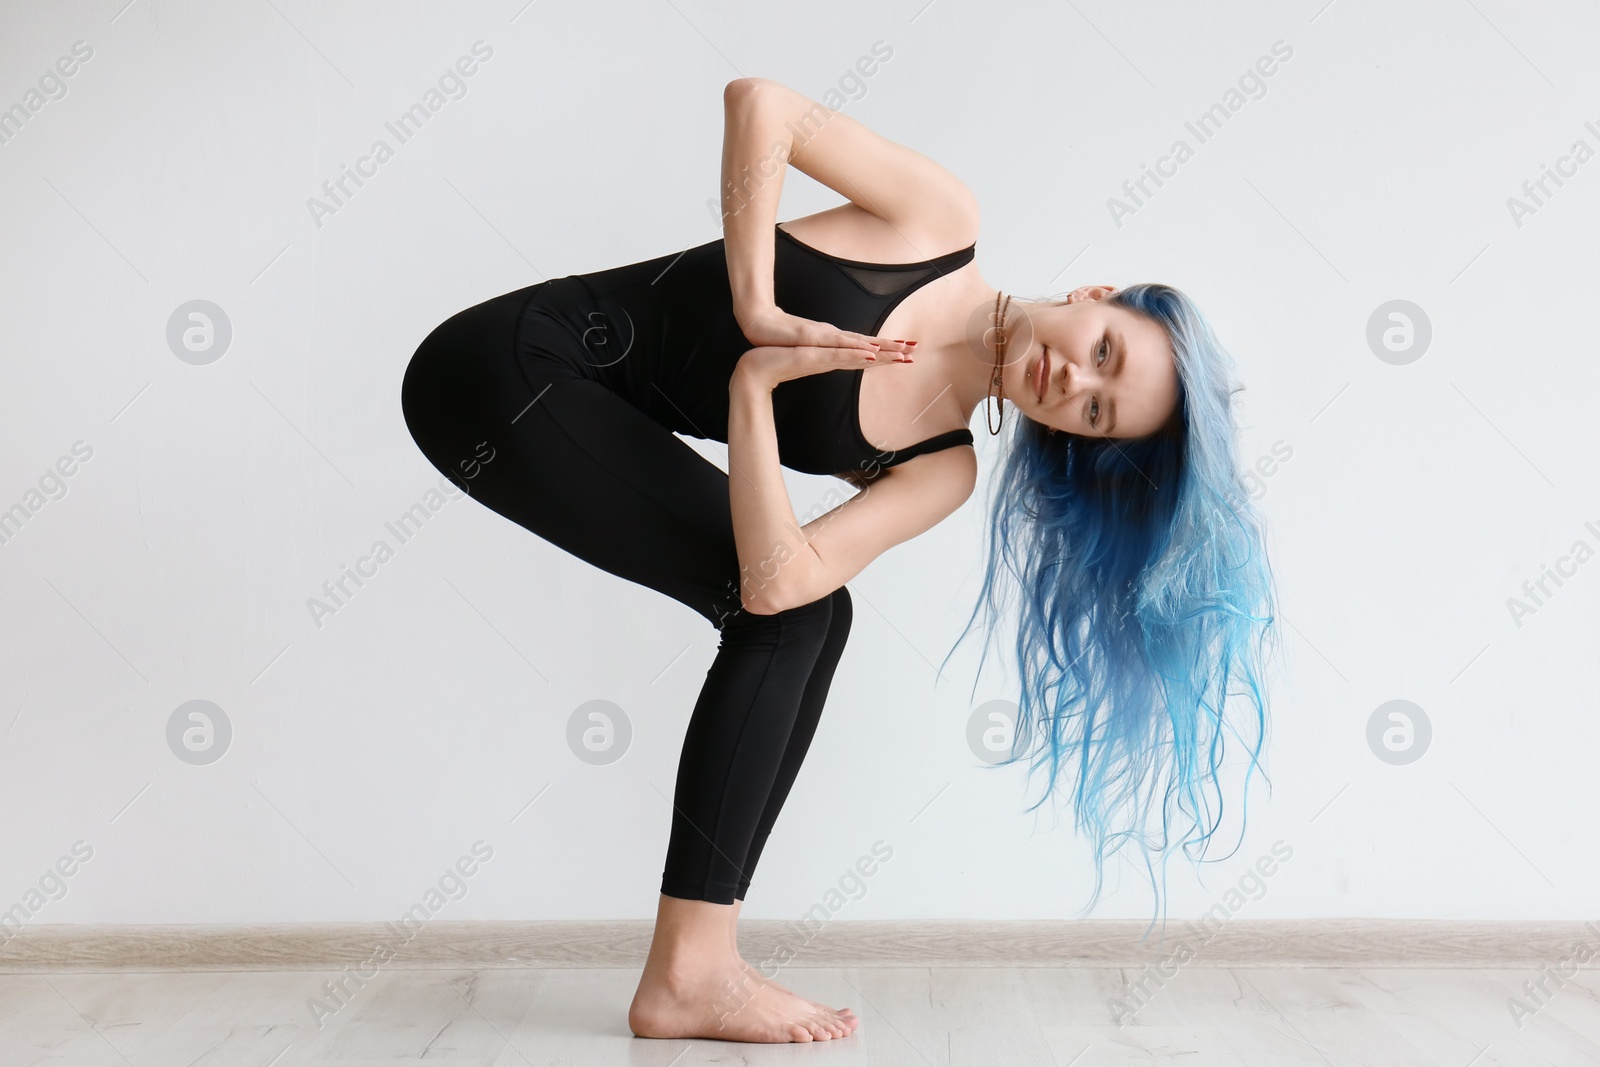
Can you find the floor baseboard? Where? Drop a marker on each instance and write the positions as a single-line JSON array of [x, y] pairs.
[[1032, 943]]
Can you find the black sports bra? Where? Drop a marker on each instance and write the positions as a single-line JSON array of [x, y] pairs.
[[661, 333], [818, 416]]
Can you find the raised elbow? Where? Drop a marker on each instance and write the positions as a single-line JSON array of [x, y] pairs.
[[739, 88]]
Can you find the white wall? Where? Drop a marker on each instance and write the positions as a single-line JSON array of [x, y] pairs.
[[370, 752]]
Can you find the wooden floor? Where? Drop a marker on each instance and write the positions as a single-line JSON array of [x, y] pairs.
[[941, 1016]]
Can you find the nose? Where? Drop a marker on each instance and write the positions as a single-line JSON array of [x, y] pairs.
[[1074, 378]]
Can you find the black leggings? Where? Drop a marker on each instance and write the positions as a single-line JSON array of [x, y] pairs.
[[588, 471]]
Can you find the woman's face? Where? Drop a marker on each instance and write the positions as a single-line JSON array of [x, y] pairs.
[[1108, 371]]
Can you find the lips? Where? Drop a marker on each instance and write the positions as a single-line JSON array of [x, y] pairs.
[[1039, 372]]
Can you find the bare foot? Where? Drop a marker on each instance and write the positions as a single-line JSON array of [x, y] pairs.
[[729, 1001], [845, 1015]]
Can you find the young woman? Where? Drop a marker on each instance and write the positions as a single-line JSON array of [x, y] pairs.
[[858, 342]]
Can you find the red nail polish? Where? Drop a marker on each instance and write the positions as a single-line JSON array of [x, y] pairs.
[[910, 342]]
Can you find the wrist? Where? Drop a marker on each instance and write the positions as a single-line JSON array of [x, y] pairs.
[[747, 379], [748, 312]]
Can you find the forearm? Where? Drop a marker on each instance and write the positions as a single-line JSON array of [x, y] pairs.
[[756, 146], [775, 560]]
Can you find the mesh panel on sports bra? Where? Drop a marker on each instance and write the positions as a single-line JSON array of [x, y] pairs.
[[880, 282]]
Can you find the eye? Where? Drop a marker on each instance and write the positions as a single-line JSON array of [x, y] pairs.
[[1103, 346], [1094, 409]]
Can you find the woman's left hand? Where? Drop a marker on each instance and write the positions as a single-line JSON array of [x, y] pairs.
[[771, 364]]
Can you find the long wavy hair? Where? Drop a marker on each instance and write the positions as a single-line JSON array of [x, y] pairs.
[[1144, 593]]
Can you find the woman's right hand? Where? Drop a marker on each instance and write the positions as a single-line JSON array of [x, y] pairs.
[[772, 326], [771, 364]]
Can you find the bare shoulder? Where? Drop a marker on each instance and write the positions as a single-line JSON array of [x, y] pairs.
[[947, 476], [852, 232], [953, 470]]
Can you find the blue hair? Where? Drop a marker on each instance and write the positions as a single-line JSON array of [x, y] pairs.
[[1145, 592]]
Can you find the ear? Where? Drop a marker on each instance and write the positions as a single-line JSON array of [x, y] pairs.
[[1090, 292]]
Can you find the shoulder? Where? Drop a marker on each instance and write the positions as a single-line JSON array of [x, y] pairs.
[[946, 477], [852, 232]]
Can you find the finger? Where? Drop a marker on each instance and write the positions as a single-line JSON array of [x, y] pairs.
[[892, 344], [868, 339], [852, 342], [893, 354], [845, 355], [891, 350]]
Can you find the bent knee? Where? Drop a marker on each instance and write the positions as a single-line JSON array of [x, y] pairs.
[[843, 610], [819, 616]]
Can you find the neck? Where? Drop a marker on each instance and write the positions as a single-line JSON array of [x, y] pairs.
[[966, 351]]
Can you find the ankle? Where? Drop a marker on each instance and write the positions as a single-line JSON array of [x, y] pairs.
[[693, 928], [697, 975], [689, 959]]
